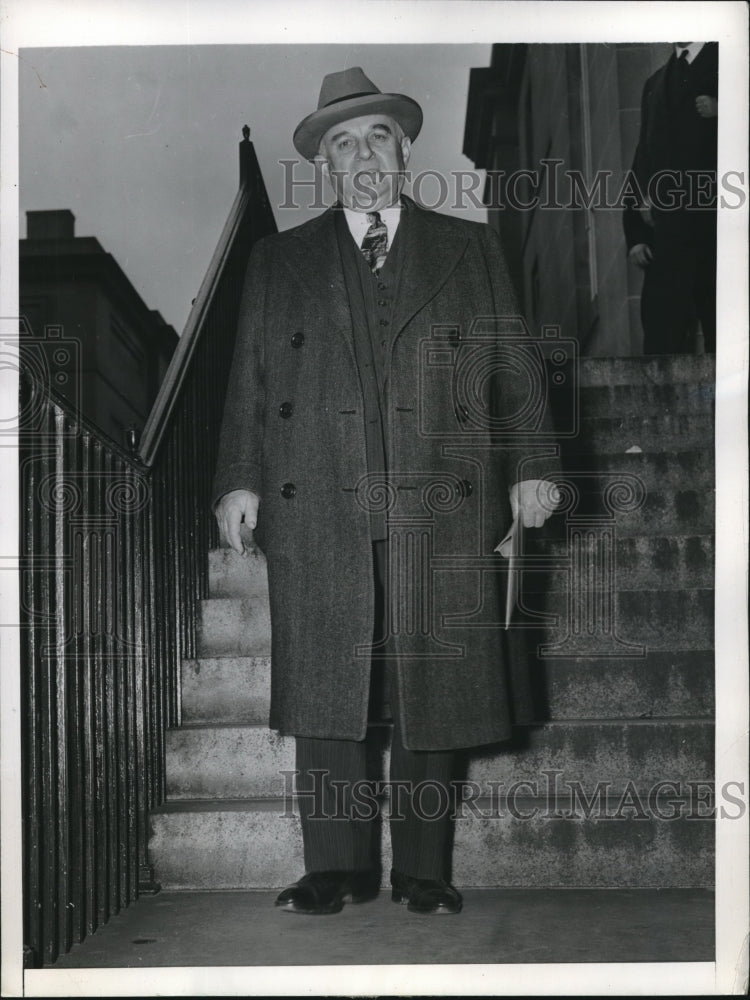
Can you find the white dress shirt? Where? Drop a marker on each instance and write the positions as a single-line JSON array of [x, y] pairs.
[[692, 50], [359, 224]]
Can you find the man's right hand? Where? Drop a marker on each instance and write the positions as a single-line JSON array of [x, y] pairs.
[[707, 106], [230, 510], [640, 255]]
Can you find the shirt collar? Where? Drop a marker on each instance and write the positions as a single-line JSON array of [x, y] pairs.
[[692, 50], [359, 224]]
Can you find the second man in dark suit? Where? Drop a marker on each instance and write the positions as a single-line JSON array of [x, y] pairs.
[[672, 235]]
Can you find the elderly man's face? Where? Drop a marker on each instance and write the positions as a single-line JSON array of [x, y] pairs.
[[364, 159]]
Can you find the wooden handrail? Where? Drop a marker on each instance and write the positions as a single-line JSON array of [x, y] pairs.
[[179, 365]]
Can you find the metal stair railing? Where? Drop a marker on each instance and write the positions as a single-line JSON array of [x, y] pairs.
[[114, 562]]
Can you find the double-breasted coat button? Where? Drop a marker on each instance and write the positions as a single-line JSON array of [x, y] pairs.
[[285, 410], [298, 339], [466, 488], [288, 490]]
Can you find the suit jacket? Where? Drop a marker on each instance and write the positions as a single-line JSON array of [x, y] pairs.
[[464, 419]]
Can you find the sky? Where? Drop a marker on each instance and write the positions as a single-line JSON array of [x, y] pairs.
[[140, 142]]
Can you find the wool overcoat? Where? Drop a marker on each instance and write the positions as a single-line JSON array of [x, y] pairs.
[[464, 419]]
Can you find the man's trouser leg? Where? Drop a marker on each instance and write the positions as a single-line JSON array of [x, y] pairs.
[[333, 839], [679, 289], [336, 838], [420, 839], [667, 304], [341, 840], [420, 823]]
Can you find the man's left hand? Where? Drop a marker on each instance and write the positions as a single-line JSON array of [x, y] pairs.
[[534, 500]]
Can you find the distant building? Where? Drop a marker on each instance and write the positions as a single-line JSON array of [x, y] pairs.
[[70, 285], [552, 109]]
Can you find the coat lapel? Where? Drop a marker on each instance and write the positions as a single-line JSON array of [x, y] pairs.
[[661, 96], [314, 261], [429, 257]]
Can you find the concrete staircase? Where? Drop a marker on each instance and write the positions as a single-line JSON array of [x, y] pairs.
[[614, 723]]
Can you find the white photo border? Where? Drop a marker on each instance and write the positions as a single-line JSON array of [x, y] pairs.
[[42, 23]]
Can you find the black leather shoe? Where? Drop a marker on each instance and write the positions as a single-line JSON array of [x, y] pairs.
[[425, 895], [326, 892]]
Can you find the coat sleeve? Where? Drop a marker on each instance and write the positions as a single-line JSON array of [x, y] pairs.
[[641, 159], [636, 230], [239, 459], [532, 452]]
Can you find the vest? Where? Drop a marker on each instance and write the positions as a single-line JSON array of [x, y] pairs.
[[371, 304]]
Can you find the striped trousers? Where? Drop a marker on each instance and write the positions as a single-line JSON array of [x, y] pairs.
[[337, 806]]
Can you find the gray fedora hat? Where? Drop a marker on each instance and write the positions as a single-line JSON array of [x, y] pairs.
[[349, 94]]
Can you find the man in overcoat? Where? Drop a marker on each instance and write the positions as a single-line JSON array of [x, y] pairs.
[[384, 423], [673, 238]]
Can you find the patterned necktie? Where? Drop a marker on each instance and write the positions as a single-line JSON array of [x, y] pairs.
[[375, 244], [684, 67]]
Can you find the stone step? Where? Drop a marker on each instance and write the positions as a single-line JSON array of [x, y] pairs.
[[234, 762], [659, 685], [237, 690], [643, 751], [630, 387], [662, 619], [651, 433], [652, 619], [666, 513], [226, 690], [234, 627], [662, 370], [642, 562], [227, 762], [671, 512], [692, 468], [668, 399], [642, 494], [232, 575], [677, 619], [258, 845]]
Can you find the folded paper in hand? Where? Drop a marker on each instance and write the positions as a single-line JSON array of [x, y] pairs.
[[510, 548]]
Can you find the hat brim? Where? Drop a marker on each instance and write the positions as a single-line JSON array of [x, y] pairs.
[[401, 108]]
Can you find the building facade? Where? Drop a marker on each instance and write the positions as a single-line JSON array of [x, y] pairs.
[[556, 127], [115, 349]]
